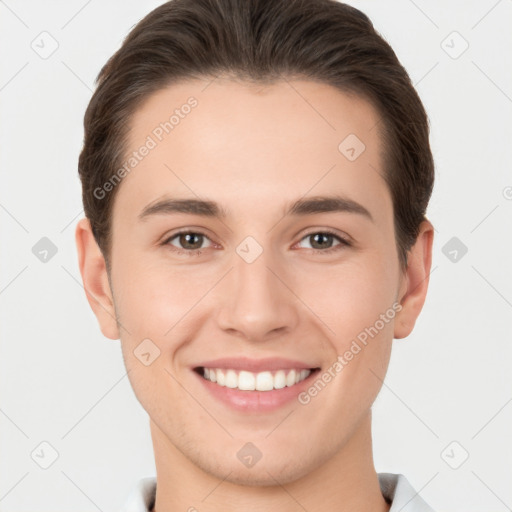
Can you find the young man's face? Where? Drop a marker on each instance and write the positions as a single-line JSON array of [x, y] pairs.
[[307, 289]]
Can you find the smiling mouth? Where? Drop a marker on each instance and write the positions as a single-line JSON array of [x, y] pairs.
[[255, 381]]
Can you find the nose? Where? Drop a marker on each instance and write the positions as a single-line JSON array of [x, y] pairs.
[[255, 301]]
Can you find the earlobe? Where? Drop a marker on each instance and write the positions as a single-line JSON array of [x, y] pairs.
[[415, 281], [95, 279]]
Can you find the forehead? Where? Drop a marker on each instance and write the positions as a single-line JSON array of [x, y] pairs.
[[253, 142]]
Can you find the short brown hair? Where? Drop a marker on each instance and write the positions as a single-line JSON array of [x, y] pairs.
[[260, 41]]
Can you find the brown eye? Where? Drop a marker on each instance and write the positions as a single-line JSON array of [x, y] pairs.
[[190, 240], [321, 240], [187, 241], [325, 241]]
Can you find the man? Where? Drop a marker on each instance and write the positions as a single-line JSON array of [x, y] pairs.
[[255, 180]]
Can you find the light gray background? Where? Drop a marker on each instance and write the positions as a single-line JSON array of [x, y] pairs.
[[63, 383]]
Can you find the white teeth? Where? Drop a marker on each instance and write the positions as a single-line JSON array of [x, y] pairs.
[[249, 381], [264, 381], [280, 379], [246, 381], [231, 379], [290, 378]]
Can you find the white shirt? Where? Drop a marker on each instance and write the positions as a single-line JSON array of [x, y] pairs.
[[395, 488]]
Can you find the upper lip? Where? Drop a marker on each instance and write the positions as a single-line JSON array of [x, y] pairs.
[[256, 365]]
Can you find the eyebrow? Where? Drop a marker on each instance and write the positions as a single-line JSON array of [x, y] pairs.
[[301, 207]]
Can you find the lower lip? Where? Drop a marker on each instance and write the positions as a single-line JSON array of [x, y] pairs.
[[256, 401]]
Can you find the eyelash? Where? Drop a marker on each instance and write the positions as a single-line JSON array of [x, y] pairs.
[[196, 252]]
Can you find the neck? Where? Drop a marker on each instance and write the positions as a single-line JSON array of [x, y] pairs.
[[345, 482]]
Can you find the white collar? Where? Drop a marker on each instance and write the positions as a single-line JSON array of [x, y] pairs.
[[395, 488]]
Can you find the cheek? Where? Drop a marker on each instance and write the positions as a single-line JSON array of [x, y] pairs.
[[362, 321], [160, 306], [357, 303], [152, 298], [350, 297], [153, 305]]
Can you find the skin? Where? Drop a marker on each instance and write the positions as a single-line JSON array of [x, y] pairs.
[[255, 150]]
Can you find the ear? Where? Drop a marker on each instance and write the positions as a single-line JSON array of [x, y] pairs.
[[95, 279], [413, 289]]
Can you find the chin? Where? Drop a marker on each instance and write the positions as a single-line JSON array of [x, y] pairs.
[[262, 474]]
